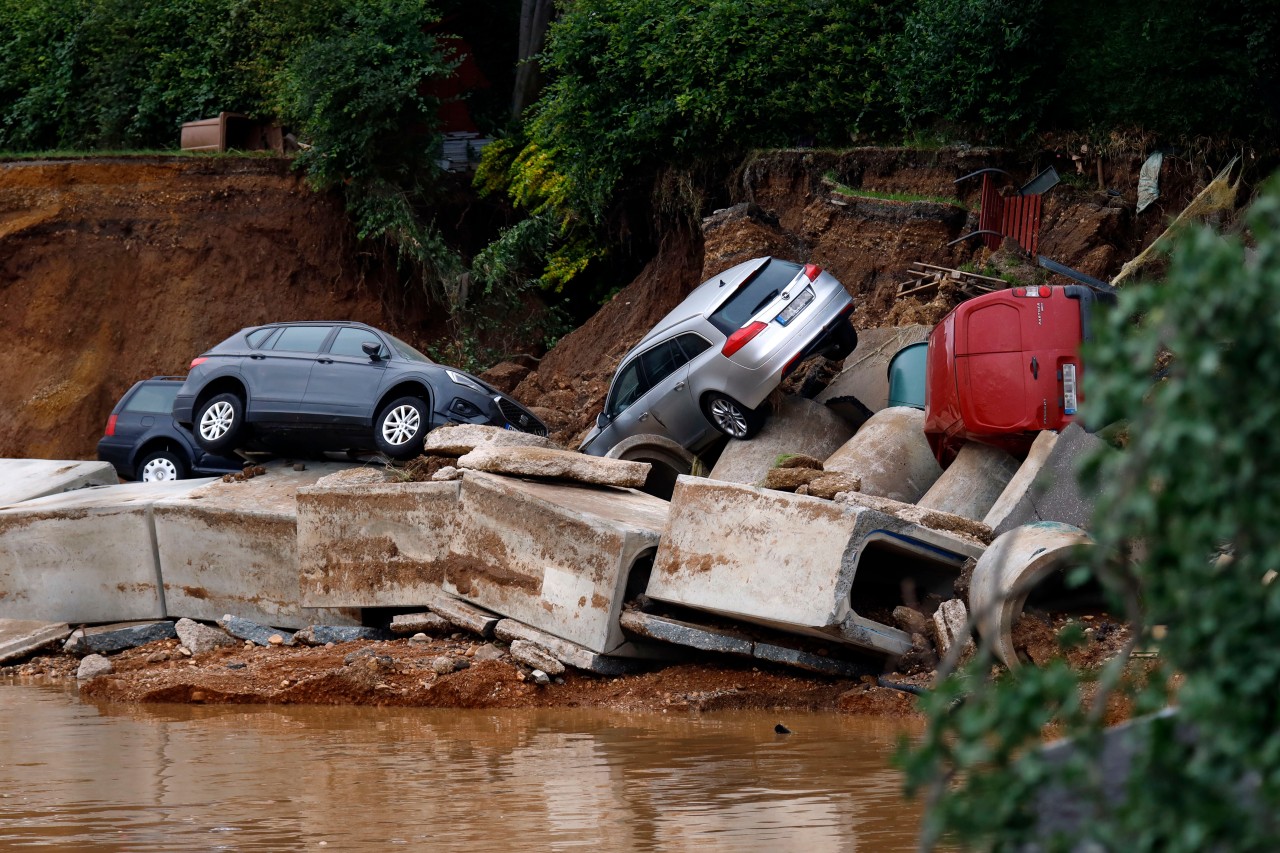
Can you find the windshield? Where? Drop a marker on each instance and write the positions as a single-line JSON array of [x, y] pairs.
[[407, 352]]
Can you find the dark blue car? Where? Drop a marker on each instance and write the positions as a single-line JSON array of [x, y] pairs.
[[143, 442], [332, 386]]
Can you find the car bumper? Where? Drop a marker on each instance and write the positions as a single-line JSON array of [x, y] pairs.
[[182, 409], [118, 454]]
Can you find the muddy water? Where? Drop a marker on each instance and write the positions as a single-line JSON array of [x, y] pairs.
[[78, 776]]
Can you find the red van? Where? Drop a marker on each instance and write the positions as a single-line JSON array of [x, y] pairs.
[[1005, 365]]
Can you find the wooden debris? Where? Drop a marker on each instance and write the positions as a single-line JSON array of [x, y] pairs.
[[925, 278]]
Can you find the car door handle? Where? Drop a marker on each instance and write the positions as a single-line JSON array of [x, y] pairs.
[[1035, 368], [325, 360], [644, 416], [257, 357], [680, 386]]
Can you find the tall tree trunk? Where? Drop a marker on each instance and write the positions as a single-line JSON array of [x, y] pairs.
[[535, 17]]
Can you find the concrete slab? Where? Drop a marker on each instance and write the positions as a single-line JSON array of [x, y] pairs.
[[568, 653], [546, 463], [799, 426], [108, 639], [891, 456], [85, 556], [798, 564], [972, 483], [461, 439], [1054, 494], [557, 557], [865, 376], [21, 637], [26, 479], [374, 545], [461, 614], [232, 548]]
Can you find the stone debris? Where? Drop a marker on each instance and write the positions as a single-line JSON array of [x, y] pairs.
[[911, 620], [461, 439], [536, 657], [446, 474], [828, 484], [553, 464], [320, 635], [252, 632], [570, 654], [198, 638], [106, 639], [540, 678], [489, 652], [92, 666], [464, 615], [789, 479], [951, 626], [425, 623], [954, 524], [365, 476], [446, 664]]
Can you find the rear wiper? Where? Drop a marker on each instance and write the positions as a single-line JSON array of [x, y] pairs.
[[764, 302]]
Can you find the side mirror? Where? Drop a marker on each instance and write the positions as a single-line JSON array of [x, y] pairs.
[[373, 350], [602, 420]]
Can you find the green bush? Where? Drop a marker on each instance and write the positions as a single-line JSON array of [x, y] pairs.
[[1192, 502]]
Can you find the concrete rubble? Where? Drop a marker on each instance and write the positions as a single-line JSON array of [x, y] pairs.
[[21, 637], [890, 455], [461, 439], [1055, 494], [214, 537], [798, 426], [106, 639], [557, 557], [798, 564], [27, 479], [199, 639], [551, 464]]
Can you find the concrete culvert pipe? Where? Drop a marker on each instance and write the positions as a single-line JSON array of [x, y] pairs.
[[1016, 563], [669, 461], [891, 456]]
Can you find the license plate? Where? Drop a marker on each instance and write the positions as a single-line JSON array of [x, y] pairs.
[[1070, 400], [797, 305]]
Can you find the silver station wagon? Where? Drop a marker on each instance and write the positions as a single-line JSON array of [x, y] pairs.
[[709, 365]]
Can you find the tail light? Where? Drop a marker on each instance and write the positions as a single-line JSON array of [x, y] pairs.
[[111, 425], [812, 271], [199, 360], [1041, 292], [742, 337]]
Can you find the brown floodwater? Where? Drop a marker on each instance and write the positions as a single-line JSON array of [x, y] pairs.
[[86, 777]]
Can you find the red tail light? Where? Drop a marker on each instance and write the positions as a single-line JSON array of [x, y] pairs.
[[812, 271], [742, 337], [111, 425], [200, 360]]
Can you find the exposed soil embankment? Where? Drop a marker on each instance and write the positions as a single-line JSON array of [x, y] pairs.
[[112, 270]]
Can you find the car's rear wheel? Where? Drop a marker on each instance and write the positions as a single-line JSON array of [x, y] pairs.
[[220, 423], [731, 417], [400, 427], [161, 466]]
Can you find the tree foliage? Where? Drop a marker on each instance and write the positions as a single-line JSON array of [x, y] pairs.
[[1191, 501]]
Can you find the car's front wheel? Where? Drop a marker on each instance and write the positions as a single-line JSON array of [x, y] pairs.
[[220, 423], [400, 427], [731, 417], [161, 466]]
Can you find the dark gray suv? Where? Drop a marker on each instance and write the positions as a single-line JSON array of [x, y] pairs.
[[332, 386]]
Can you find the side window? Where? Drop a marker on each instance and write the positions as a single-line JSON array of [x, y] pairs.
[[661, 361], [153, 398], [302, 338], [351, 342], [693, 345], [629, 387], [258, 337]]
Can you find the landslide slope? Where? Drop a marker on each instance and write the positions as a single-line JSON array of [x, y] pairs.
[[112, 270]]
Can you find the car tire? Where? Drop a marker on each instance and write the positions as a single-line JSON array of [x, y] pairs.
[[400, 427], [161, 466], [219, 423], [731, 417]]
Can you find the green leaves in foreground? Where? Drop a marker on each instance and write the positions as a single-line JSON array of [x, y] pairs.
[[1194, 498]]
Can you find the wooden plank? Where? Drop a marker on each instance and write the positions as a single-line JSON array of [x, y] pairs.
[[962, 272]]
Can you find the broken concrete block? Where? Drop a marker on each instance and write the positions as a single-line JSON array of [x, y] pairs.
[[1008, 574], [477, 620], [93, 666], [363, 476], [84, 556], [865, 376], [461, 439], [951, 627], [891, 456], [233, 548], [551, 464], [202, 638], [810, 661], [831, 483], [789, 479], [535, 657], [1022, 479], [446, 474], [973, 482], [799, 426], [413, 623], [682, 633], [557, 557], [320, 635], [568, 653], [21, 637], [260, 635], [798, 564], [27, 479], [376, 545], [1055, 494], [108, 639]]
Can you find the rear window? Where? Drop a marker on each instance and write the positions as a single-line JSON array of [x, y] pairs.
[[768, 282], [156, 398]]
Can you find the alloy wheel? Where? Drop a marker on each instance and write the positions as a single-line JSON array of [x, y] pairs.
[[401, 425], [729, 418], [217, 421]]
